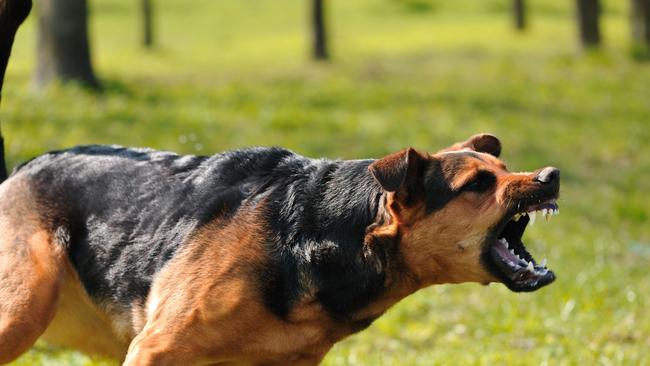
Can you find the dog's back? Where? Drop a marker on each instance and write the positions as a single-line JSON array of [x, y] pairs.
[[122, 213]]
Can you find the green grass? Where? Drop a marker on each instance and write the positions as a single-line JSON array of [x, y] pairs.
[[228, 74]]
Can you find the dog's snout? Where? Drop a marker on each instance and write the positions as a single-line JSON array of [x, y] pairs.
[[548, 175]]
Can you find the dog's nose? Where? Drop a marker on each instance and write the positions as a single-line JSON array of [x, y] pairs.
[[548, 175]]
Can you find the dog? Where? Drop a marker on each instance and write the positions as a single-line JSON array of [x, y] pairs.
[[257, 256]]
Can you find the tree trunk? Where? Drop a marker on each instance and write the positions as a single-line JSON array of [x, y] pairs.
[[519, 10], [63, 52], [319, 32], [588, 12], [147, 23], [12, 14], [3, 164], [641, 24]]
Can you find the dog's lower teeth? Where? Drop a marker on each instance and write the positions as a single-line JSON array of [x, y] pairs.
[[543, 264], [533, 216], [530, 267]]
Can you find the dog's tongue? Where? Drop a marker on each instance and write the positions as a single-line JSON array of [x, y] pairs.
[[504, 253]]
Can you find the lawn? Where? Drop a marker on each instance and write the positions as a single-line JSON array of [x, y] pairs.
[[228, 74]]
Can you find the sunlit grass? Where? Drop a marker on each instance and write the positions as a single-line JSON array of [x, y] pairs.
[[232, 74]]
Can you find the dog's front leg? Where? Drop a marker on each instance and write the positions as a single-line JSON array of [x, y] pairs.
[[155, 347]]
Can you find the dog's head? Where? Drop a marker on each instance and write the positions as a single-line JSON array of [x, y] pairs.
[[461, 214]]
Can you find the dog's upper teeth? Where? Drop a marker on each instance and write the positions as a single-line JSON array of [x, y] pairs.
[[532, 216], [530, 267]]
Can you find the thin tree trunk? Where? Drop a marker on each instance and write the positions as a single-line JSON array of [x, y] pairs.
[[588, 13], [3, 164], [147, 23], [12, 14], [63, 52], [640, 19], [319, 32], [519, 11]]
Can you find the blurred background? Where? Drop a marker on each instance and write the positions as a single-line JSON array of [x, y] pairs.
[[561, 82]]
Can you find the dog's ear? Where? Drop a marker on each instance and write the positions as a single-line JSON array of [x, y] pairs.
[[483, 142], [400, 172]]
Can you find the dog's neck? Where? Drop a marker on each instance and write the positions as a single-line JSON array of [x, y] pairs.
[[331, 226], [366, 226]]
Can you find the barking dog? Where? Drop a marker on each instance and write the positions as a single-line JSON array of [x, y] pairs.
[[257, 256]]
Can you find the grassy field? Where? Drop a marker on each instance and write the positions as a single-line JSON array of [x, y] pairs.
[[228, 74]]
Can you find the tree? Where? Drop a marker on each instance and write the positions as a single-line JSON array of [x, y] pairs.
[[12, 14], [640, 18], [63, 52], [588, 13], [519, 11], [147, 23], [319, 32]]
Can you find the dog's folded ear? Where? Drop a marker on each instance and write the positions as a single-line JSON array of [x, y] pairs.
[[483, 142], [399, 171]]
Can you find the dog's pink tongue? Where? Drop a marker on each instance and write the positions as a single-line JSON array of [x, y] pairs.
[[505, 253]]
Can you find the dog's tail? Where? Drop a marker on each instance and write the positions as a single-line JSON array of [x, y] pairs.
[[12, 15]]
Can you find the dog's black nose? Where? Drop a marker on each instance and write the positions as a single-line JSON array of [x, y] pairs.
[[548, 175]]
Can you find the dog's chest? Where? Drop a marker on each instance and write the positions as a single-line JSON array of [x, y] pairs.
[[307, 334]]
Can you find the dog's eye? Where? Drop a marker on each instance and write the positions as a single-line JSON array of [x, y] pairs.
[[480, 183]]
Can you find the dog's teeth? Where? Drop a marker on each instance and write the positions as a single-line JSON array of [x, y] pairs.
[[543, 264], [548, 216], [532, 215], [544, 211], [530, 267], [513, 253], [517, 217]]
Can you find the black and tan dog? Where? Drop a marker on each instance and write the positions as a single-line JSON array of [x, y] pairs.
[[257, 256]]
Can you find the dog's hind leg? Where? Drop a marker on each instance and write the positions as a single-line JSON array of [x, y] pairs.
[[31, 271]]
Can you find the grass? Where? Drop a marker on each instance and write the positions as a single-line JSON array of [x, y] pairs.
[[231, 74]]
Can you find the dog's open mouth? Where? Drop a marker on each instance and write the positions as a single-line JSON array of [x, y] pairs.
[[507, 256]]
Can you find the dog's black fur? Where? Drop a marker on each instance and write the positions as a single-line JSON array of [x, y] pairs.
[[123, 213]]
